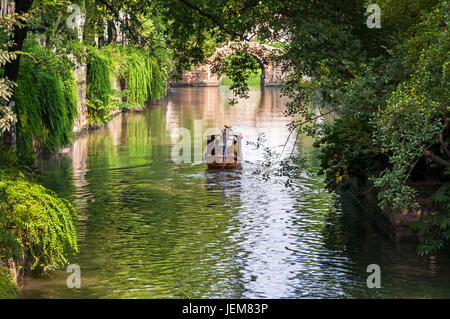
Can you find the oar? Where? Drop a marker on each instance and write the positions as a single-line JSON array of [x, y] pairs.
[[224, 151]]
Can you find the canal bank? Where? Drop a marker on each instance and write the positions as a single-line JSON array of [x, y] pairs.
[[396, 223]]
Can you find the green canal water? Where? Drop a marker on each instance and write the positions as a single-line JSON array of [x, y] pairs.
[[151, 228]]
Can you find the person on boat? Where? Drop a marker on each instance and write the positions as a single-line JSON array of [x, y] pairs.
[[235, 150], [226, 130], [224, 133]]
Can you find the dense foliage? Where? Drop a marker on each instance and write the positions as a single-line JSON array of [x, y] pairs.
[[239, 68], [7, 116], [46, 101], [34, 223], [7, 285], [434, 229], [393, 126], [121, 77], [415, 116], [99, 88], [139, 72]]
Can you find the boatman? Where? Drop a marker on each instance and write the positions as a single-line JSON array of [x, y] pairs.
[[225, 131], [224, 136]]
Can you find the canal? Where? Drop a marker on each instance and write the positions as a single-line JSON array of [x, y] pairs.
[[151, 228]]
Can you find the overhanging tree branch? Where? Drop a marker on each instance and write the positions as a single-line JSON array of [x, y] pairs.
[[436, 158], [443, 144], [214, 19], [19, 34], [116, 14]]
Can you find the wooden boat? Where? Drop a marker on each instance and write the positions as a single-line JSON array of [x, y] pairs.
[[224, 150]]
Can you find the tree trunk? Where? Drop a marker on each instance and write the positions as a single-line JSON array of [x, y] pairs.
[[19, 34], [90, 22], [111, 32]]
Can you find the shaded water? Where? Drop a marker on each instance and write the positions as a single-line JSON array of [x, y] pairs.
[[150, 228]]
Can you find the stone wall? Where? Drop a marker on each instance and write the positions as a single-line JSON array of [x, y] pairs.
[[199, 76], [273, 75], [395, 223], [82, 121], [202, 76]]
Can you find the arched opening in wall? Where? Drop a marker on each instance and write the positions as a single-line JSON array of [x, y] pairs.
[[243, 67]]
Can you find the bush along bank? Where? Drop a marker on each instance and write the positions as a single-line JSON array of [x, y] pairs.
[[37, 229], [120, 78], [392, 137], [8, 286], [50, 95], [46, 102]]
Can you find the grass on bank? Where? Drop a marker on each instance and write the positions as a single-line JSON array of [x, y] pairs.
[[254, 80]]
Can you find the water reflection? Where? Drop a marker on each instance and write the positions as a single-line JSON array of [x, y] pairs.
[[150, 228]]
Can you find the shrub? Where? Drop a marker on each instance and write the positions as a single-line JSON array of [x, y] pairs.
[[99, 87], [7, 285], [34, 222], [46, 102]]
